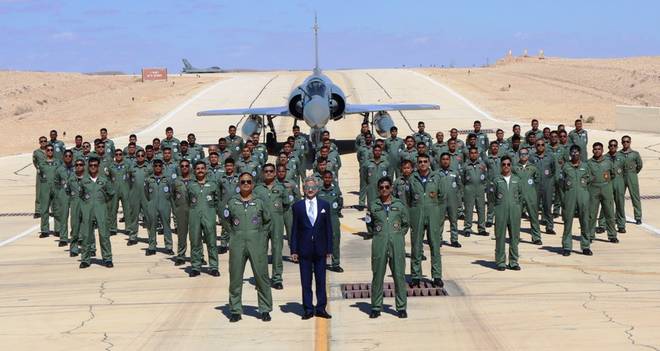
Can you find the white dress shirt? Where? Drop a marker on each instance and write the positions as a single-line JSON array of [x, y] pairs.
[[310, 205], [507, 179]]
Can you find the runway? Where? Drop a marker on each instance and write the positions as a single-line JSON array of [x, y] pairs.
[[608, 301]]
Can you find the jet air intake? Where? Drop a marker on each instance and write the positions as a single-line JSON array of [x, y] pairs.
[[337, 106], [383, 122]]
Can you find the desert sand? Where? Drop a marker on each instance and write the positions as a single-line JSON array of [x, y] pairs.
[[33, 103], [557, 90]]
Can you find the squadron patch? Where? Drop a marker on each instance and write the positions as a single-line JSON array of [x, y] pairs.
[[166, 189], [530, 181], [335, 205], [193, 199], [384, 173], [209, 198], [546, 172], [379, 228], [173, 175], [225, 213], [606, 175], [396, 225], [500, 196], [255, 220], [482, 177], [237, 221], [238, 190], [290, 198], [453, 184]]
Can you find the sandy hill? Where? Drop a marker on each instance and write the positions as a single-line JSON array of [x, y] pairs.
[[557, 89], [33, 103]]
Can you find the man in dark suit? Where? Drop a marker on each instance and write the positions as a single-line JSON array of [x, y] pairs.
[[311, 245]]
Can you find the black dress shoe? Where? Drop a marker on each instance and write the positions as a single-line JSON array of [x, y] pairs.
[[307, 315], [587, 252], [467, 233], [203, 262], [113, 232], [278, 286], [179, 262], [338, 269], [537, 242], [555, 215], [514, 268], [323, 314], [56, 234], [438, 283], [461, 217], [614, 240], [234, 318], [43, 235], [500, 268], [415, 283], [566, 253], [222, 250], [403, 314], [456, 244], [600, 230], [193, 273], [62, 243], [423, 257], [93, 254], [489, 224], [108, 264], [131, 243], [374, 314], [621, 230], [638, 222], [122, 220], [214, 272], [169, 252], [483, 233], [550, 231], [150, 252], [83, 265], [36, 215], [73, 254], [265, 317]]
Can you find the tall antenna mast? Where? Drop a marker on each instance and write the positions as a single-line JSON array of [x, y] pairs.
[[317, 70]]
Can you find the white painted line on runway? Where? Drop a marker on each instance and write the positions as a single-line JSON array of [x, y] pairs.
[[183, 105], [460, 97], [648, 227], [27, 232]]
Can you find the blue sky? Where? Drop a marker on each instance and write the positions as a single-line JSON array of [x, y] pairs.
[[123, 35]]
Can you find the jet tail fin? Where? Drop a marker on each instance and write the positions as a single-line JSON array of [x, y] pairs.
[[317, 69], [186, 64]]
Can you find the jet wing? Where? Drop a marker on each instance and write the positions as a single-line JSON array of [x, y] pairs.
[[272, 111], [353, 108]]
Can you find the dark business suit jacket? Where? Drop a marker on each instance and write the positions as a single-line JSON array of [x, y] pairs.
[[311, 239]]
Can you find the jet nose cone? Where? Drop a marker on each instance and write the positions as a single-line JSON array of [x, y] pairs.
[[316, 112]]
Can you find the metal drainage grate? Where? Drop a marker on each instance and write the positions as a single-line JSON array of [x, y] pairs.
[[17, 214], [468, 131], [363, 290], [646, 197]]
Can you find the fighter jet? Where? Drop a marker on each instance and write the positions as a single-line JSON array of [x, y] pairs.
[[316, 101], [188, 68]]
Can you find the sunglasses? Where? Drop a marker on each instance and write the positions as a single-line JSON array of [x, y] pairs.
[[140, 155], [269, 171], [93, 165], [51, 150], [613, 145], [80, 164], [185, 166], [384, 187], [423, 161], [540, 144], [42, 141], [626, 141], [506, 164], [160, 166], [246, 182]]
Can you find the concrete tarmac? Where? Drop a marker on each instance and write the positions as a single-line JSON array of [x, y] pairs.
[[608, 301]]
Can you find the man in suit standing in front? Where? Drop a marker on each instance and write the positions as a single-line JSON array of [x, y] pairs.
[[311, 245]]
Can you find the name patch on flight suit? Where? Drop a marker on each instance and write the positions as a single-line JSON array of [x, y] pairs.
[[255, 220], [236, 221], [379, 228], [193, 199]]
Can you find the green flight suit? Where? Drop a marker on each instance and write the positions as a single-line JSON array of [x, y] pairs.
[[507, 217], [601, 195], [494, 169], [261, 153], [229, 188], [632, 165], [581, 139], [529, 176], [121, 176], [423, 137], [333, 196], [47, 191], [138, 198], [393, 146], [575, 180], [372, 171], [95, 197], [234, 145], [390, 224], [618, 189], [410, 155], [181, 210], [456, 165], [560, 152], [58, 148], [38, 156], [401, 190], [293, 192], [109, 146], [427, 215], [276, 197], [249, 223], [545, 189], [203, 198], [158, 191], [474, 176], [364, 154], [73, 189], [451, 180], [62, 176], [250, 166], [172, 144], [482, 141]]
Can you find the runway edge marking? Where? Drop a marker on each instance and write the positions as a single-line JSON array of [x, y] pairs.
[[20, 235]]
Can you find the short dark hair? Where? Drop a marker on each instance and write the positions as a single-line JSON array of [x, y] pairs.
[[169, 129], [229, 160], [384, 179]]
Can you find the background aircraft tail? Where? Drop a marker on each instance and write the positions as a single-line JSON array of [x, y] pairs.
[[317, 69], [187, 64]]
